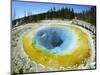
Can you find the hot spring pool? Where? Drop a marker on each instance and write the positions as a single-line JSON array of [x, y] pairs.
[[57, 46]]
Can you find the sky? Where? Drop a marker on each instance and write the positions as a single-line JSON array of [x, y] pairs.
[[20, 8]]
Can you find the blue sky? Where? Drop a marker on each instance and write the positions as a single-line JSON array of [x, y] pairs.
[[38, 7]]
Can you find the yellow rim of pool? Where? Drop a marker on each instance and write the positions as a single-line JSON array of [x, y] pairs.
[[79, 55]]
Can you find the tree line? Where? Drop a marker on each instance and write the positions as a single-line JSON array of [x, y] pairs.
[[63, 13], [88, 16]]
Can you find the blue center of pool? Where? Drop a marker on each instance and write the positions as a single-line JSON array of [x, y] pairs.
[[54, 39]]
